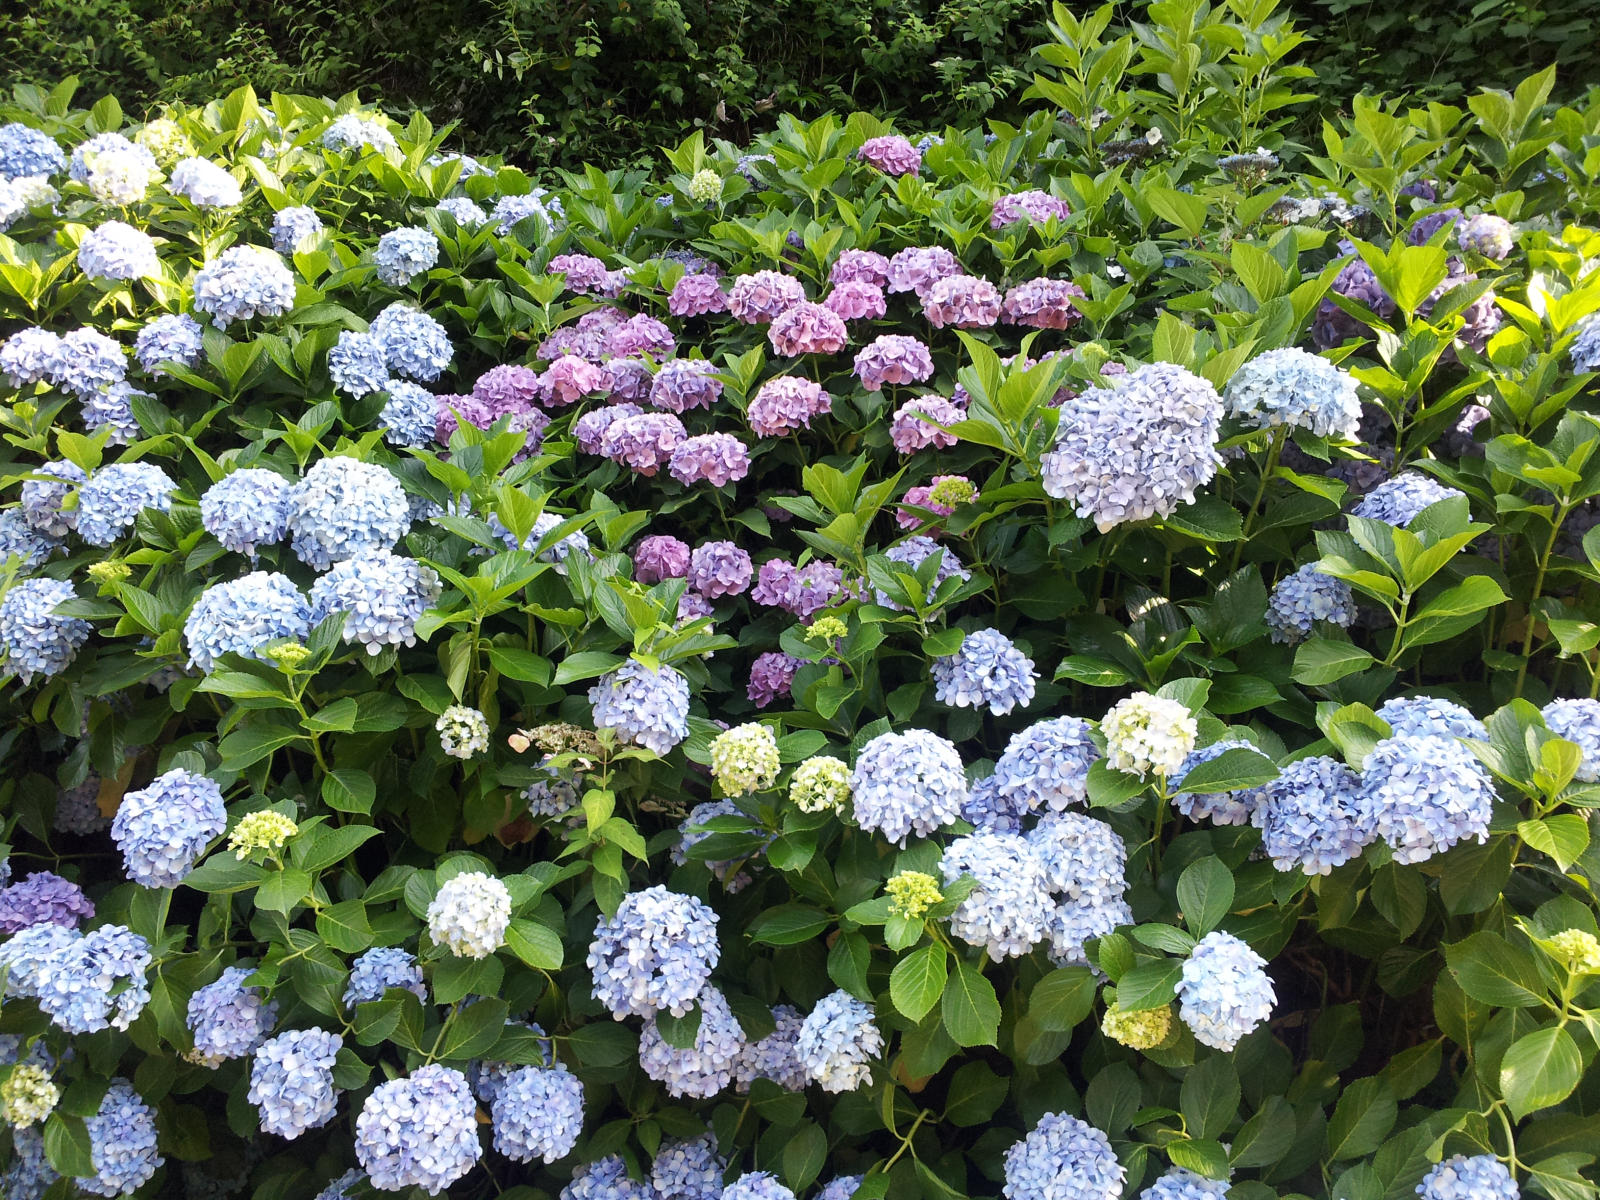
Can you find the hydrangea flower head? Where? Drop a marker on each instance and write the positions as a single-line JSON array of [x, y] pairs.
[[1008, 912], [654, 954], [228, 1019], [25, 151], [409, 416], [344, 508], [381, 594], [1431, 716], [1033, 206], [538, 1114], [706, 1067], [917, 424], [838, 1041], [85, 362], [470, 914], [463, 732], [1063, 1158], [771, 676], [355, 132], [239, 616], [1221, 808], [263, 831], [1578, 950], [1578, 721], [34, 638], [204, 184], [30, 545], [695, 295], [415, 345], [1311, 816], [988, 671], [643, 705], [163, 827], [122, 1143], [31, 356], [569, 379], [1480, 1177], [857, 301], [643, 441], [892, 358], [688, 1169], [377, 970], [244, 282], [1148, 735], [719, 569], [1399, 500], [170, 338], [1224, 992], [1180, 1184], [43, 898], [757, 1185], [1585, 351], [419, 1131], [1488, 235], [292, 227], [841, 1187], [27, 1096], [744, 759], [116, 251], [807, 328], [1292, 387], [1144, 1029], [540, 204], [907, 782], [606, 1179], [761, 297], [1043, 304], [913, 893], [291, 1081], [917, 268], [1047, 765], [1423, 795], [859, 266], [891, 154], [658, 557], [1305, 597], [94, 982], [962, 302]]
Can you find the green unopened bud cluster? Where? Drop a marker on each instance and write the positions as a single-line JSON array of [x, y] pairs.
[[266, 831], [912, 893], [820, 784]]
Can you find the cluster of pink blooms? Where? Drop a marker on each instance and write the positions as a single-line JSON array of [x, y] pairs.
[[760, 298], [918, 268], [587, 275], [893, 155], [1043, 304], [659, 557], [860, 266], [570, 378], [719, 569], [695, 295], [857, 300], [645, 442], [807, 328], [785, 404], [714, 458], [964, 301], [892, 358], [771, 676], [685, 383], [916, 424], [1033, 205]]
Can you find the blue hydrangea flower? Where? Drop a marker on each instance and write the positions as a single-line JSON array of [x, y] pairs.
[[986, 808], [1074, 925], [1585, 350], [1083, 859], [1136, 450], [1305, 597], [656, 952], [339, 1189], [463, 210], [113, 407], [487, 1078], [34, 639], [293, 226], [415, 345], [247, 510], [1179, 1184], [409, 415], [1578, 721], [107, 143], [575, 543], [244, 282], [78, 808], [906, 783], [403, 254], [647, 707], [30, 1174], [86, 361], [1422, 795], [291, 1081], [1008, 913], [228, 1019], [241, 615], [116, 250], [838, 1041], [122, 1143], [1224, 992], [913, 552], [1222, 808], [555, 796], [382, 596], [688, 1169], [355, 132], [358, 364], [164, 827], [379, 969], [170, 338], [1481, 1177], [606, 1179], [204, 184], [840, 1187], [111, 499], [30, 356], [1063, 1158], [1295, 388], [94, 982], [344, 508], [25, 952], [775, 1056], [509, 210], [20, 197], [1399, 500], [469, 165], [694, 829], [32, 547], [757, 1185], [987, 671], [705, 1068], [42, 498], [1311, 816], [1046, 765], [26, 151], [420, 1131], [538, 1113], [1431, 716]]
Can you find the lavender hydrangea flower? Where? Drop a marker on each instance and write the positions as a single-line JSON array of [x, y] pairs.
[[1480, 1177], [807, 328], [377, 970], [30, 1174], [247, 509], [292, 227], [907, 782], [837, 1042], [1585, 351], [695, 295], [759, 298], [785, 404], [419, 1131], [1008, 912], [919, 423], [644, 442], [122, 1143], [891, 154], [647, 707], [1033, 206], [688, 1169], [31, 547], [757, 1185], [770, 677], [43, 898], [1224, 992], [892, 358], [339, 1189], [538, 1114], [857, 301], [641, 335], [1043, 304], [917, 268], [1488, 235], [841, 1187], [654, 954], [78, 808], [381, 594], [804, 591], [25, 151], [114, 408], [1578, 721], [30, 356], [961, 302], [23, 955], [228, 1019], [693, 831], [987, 671], [291, 1081], [660, 557], [41, 504], [34, 638], [1292, 387], [403, 254], [118, 251], [1430, 716], [1424, 227], [705, 1068], [170, 338], [1046, 765], [94, 982], [540, 204], [1332, 326], [355, 132], [244, 282], [606, 1179], [463, 211], [1423, 795], [239, 616], [1180, 1184], [719, 569], [344, 508], [1083, 859], [1063, 1158], [1312, 817], [204, 184], [163, 828], [685, 383], [1221, 808], [774, 1056], [415, 345], [1305, 597]]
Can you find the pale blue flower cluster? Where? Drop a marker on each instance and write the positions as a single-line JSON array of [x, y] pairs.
[[113, 407], [1311, 816], [25, 952], [555, 796], [1301, 599], [355, 132], [655, 953], [913, 552], [403, 254], [1046, 765], [1295, 388], [382, 596], [986, 808], [1398, 501], [1222, 808], [1224, 992], [228, 1019], [987, 671], [170, 338], [1063, 1158], [42, 498], [1585, 350], [83, 154], [111, 499], [358, 364], [25, 151], [292, 226], [164, 827], [1137, 450], [463, 210], [247, 510], [1423, 795], [204, 184], [117, 251], [1008, 913], [539, 203], [18, 537], [34, 638], [1480, 1177], [291, 1081], [97, 981], [606, 1179], [414, 344], [688, 1169], [377, 970], [906, 783], [642, 705], [775, 1056], [409, 416], [29, 356], [1085, 864], [538, 1113], [339, 1189], [705, 1068], [84, 362], [757, 1185], [30, 1174], [241, 615], [838, 1041], [693, 830], [1431, 716], [21, 196], [419, 1131], [841, 1187], [1179, 1184], [1578, 721], [344, 508], [122, 1143], [487, 1078], [243, 282]]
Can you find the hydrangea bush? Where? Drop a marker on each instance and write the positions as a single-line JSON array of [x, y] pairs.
[[1052, 661]]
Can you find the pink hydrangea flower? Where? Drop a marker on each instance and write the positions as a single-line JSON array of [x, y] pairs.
[[695, 295], [507, 388], [631, 379], [1043, 304], [590, 428], [644, 442], [714, 458], [857, 300], [860, 266], [916, 424], [893, 155], [1035, 206], [892, 358], [685, 383], [922, 497], [807, 328], [585, 273], [917, 268], [640, 335], [659, 557], [719, 569], [570, 378], [965, 301], [761, 297], [785, 404]]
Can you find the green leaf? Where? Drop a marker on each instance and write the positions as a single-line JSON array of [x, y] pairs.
[[1564, 837], [1323, 660], [1209, 1097], [457, 978], [976, 1094], [1366, 1112], [280, 891], [585, 664], [1109, 788], [1149, 985], [1202, 1156], [1489, 969], [67, 1146], [1231, 771], [1063, 998], [918, 980], [344, 926], [789, 925], [535, 944], [349, 791], [603, 1044], [970, 1009], [805, 1151], [474, 1029], [321, 847], [1541, 1068], [1205, 894], [223, 873]]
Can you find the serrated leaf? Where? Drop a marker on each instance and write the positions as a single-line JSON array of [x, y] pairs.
[[918, 980]]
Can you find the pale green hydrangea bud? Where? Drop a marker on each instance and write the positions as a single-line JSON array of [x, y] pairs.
[[705, 187], [912, 893], [827, 630], [820, 784], [745, 759], [288, 655], [109, 571], [1581, 950], [28, 1096], [952, 490], [1142, 1030], [166, 140], [266, 830]]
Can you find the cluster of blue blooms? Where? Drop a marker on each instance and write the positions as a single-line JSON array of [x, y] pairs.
[[1294, 388], [291, 1081], [654, 954], [239, 616], [164, 827], [988, 671], [906, 783], [1305, 597], [1224, 992], [229, 1019], [643, 705], [1063, 1158], [419, 1131]]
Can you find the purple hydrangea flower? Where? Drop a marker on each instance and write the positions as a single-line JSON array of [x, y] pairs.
[[43, 898], [771, 676], [892, 358], [719, 569], [785, 404]]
